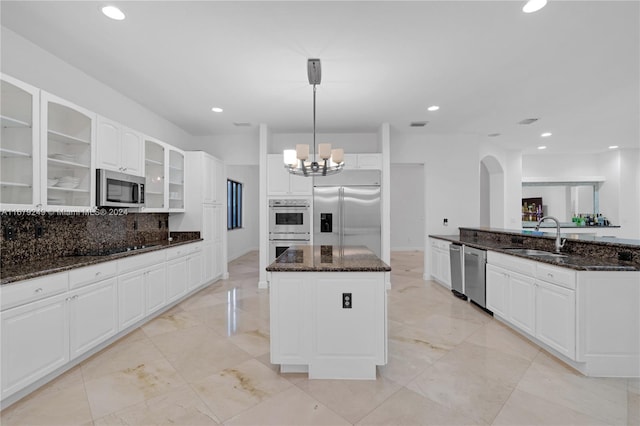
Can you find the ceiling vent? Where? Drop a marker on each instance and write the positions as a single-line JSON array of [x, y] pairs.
[[528, 120], [418, 123], [241, 124]]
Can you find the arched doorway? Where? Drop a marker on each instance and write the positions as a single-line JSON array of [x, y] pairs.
[[491, 193]]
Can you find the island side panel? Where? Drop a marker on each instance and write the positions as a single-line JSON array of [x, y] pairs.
[[309, 325]]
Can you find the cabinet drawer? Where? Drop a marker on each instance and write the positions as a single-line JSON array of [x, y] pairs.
[[512, 263], [35, 289], [140, 261], [184, 250], [554, 274], [83, 276]]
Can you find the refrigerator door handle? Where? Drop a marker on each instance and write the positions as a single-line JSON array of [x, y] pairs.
[[341, 214]]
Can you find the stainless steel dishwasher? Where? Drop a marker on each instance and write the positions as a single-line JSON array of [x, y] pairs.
[[457, 273], [474, 275]]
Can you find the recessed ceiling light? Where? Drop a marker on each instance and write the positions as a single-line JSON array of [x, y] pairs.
[[113, 13], [542, 147], [433, 108], [534, 6], [546, 134], [216, 109], [613, 146]]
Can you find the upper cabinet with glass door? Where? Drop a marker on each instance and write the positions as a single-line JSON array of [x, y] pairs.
[[67, 136], [176, 180], [155, 189], [19, 173]]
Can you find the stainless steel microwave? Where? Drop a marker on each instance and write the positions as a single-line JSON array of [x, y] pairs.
[[114, 189]]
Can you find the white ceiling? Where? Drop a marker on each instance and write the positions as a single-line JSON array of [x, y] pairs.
[[575, 65]]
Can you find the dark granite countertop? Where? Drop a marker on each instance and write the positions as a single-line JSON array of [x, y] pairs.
[[28, 270], [580, 263], [328, 259]]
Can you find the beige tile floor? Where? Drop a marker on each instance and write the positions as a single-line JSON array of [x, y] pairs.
[[206, 361]]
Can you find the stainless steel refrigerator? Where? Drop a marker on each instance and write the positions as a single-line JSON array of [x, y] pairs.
[[347, 210]]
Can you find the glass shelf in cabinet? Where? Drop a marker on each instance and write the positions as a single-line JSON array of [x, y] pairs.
[[61, 137]]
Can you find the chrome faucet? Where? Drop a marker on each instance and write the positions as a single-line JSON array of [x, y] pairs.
[[559, 242]]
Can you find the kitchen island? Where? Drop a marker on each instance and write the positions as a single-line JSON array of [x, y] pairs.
[[328, 307]]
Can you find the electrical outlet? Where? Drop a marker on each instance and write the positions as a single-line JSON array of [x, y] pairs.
[[625, 256], [9, 233], [39, 231], [159, 224], [445, 221], [347, 301], [135, 224]]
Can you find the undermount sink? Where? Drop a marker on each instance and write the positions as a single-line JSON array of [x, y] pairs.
[[533, 252]]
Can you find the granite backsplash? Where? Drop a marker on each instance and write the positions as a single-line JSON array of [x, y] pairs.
[[52, 235], [590, 249]]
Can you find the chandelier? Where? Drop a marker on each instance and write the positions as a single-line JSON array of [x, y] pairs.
[[296, 161]]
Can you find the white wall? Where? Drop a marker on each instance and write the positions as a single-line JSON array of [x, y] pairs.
[[245, 239], [407, 207], [452, 173], [237, 149], [30, 63]]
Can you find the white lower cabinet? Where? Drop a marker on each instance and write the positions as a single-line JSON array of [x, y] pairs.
[[440, 261], [155, 288], [195, 271], [35, 342], [498, 291], [49, 321], [131, 299], [177, 279], [542, 309], [92, 315], [522, 302], [556, 317]]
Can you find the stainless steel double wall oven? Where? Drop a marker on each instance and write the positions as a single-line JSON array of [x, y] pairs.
[[289, 224]]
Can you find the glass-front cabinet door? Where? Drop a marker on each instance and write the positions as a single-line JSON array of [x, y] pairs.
[[155, 189], [67, 135], [176, 181], [19, 153]]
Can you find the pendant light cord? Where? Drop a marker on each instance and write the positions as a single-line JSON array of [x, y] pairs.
[[314, 122]]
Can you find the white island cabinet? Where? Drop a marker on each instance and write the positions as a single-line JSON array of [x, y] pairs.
[[329, 312]]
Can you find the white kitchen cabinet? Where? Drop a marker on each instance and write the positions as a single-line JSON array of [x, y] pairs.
[[176, 180], [555, 317], [119, 148], [281, 182], [176, 279], [312, 332], [35, 342], [440, 261], [19, 145], [93, 315], [520, 292], [155, 166], [522, 302], [155, 288], [497, 281], [131, 299], [67, 135], [369, 161], [195, 270]]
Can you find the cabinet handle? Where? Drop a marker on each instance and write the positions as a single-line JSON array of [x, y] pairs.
[[38, 290], [549, 274], [98, 273], [75, 297], [68, 299]]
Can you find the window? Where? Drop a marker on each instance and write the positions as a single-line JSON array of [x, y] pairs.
[[234, 204]]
